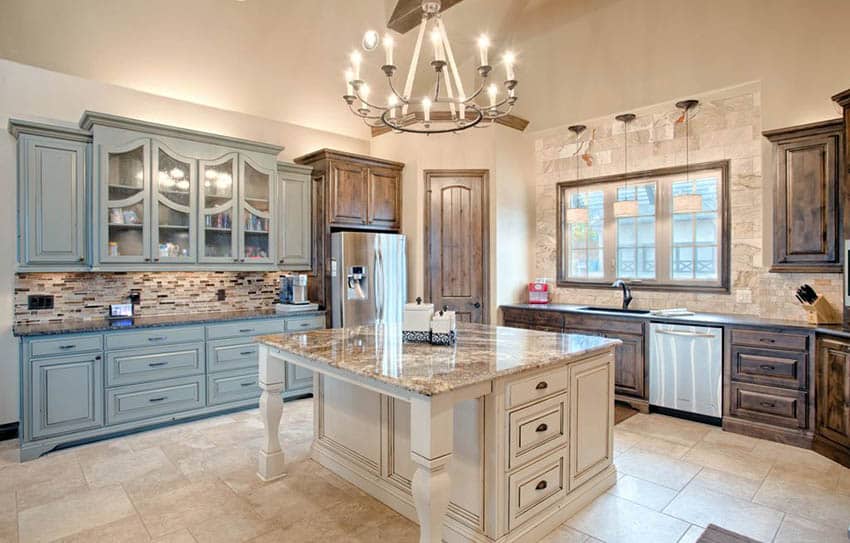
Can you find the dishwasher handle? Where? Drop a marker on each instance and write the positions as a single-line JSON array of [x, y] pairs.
[[684, 334]]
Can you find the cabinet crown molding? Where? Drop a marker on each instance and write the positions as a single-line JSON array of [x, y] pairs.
[[288, 167], [802, 130], [842, 98], [332, 154], [93, 118], [55, 129]]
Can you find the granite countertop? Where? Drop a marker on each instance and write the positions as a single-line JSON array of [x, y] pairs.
[[77, 326], [697, 319], [482, 353]]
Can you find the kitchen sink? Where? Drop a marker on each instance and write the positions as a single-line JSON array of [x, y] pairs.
[[616, 310]]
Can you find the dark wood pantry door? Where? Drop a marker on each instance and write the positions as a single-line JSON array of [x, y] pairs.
[[456, 234]]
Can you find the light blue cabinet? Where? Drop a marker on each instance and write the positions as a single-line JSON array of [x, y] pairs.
[[53, 168], [66, 394], [79, 387]]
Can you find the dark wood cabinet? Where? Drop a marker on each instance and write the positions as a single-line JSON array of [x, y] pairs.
[[809, 163], [833, 385], [350, 192]]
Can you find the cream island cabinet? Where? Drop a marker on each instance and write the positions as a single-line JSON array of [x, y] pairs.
[[499, 438], [148, 197]]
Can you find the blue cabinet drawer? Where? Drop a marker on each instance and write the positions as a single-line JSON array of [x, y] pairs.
[[131, 366], [66, 345], [232, 354], [305, 323], [154, 336], [245, 328], [136, 402], [232, 386]]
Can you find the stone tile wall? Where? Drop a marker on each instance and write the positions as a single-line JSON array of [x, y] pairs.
[[727, 125], [88, 295]]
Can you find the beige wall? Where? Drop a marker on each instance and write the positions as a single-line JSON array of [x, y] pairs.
[[32, 92], [506, 153]]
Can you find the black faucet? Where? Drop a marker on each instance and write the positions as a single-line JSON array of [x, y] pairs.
[[627, 292]]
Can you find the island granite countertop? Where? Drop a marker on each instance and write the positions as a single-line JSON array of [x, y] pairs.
[[482, 353], [80, 326]]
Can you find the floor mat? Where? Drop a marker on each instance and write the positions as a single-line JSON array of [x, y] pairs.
[[716, 534]]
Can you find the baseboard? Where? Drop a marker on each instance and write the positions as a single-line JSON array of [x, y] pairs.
[[635, 403], [788, 436], [8, 431], [831, 450]]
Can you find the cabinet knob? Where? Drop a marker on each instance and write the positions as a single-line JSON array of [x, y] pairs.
[[542, 385], [541, 485], [542, 428], [767, 367], [477, 305], [768, 404]]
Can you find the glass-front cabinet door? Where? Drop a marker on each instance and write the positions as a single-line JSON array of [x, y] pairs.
[[217, 239], [125, 231], [256, 190], [175, 181]]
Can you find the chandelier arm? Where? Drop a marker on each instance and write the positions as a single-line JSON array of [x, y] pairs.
[[450, 93], [401, 98], [450, 56], [357, 94], [361, 114], [411, 74]]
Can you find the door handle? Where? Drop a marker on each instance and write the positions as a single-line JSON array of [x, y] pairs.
[[477, 305]]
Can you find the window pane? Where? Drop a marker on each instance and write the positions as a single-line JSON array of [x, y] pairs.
[[706, 231], [707, 188], [683, 228], [646, 232], [578, 235], [626, 232], [646, 263], [683, 263], [594, 235], [706, 264], [595, 269], [578, 263], [626, 264]]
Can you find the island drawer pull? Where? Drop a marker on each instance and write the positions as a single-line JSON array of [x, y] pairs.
[[157, 338], [542, 428], [542, 385], [246, 353], [767, 404], [248, 384], [245, 330], [767, 340], [157, 364], [66, 347], [767, 367], [541, 485], [159, 399]]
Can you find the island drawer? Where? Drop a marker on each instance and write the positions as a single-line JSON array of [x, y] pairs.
[[771, 340], [537, 387], [232, 354], [536, 487], [154, 336], [775, 406], [770, 367], [131, 366], [245, 328], [315, 322], [536, 430], [66, 345], [135, 402], [232, 386]]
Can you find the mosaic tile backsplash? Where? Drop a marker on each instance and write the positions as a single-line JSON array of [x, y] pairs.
[[727, 125], [88, 295]]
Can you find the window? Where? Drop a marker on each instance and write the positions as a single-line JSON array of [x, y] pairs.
[[663, 246]]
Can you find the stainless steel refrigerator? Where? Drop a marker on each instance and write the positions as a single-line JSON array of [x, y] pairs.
[[368, 278]]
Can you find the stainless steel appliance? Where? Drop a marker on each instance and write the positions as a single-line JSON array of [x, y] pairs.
[[368, 278], [686, 369], [293, 289]]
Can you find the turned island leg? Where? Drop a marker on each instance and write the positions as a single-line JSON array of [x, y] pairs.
[[431, 442], [271, 409]]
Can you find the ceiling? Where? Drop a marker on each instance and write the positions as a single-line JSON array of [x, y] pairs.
[[284, 59]]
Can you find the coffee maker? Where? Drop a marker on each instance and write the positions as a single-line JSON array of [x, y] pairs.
[[293, 289]]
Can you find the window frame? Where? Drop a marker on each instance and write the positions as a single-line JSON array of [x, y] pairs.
[[563, 189]]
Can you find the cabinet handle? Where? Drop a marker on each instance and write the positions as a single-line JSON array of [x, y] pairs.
[[542, 385], [156, 259], [541, 485], [767, 367], [249, 383], [246, 330], [66, 347], [82, 259], [97, 358], [157, 364], [542, 428], [767, 404], [156, 338], [767, 340], [236, 260], [161, 398], [147, 259], [246, 353]]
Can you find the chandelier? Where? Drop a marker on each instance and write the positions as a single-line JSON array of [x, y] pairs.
[[447, 107]]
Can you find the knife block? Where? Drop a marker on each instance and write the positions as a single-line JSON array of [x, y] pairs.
[[821, 312]]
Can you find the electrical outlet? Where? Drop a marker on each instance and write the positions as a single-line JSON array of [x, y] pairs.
[[135, 297], [220, 295], [39, 301]]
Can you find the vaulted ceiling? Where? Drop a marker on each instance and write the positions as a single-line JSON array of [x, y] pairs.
[[284, 59]]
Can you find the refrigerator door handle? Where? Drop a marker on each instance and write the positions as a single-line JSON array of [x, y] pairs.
[[379, 284]]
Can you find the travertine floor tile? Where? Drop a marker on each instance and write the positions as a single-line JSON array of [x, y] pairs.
[[726, 483], [615, 520], [796, 529], [624, 440], [736, 462], [565, 534], [180, 536], [662, 446], [692, 535], [657, 468], [669, 428], [74, 513], [126, 530], [702, 507], [643, 492], [717, 436], [844, 482], [44, 492], [805, 500], [236, 526], [8, 516]]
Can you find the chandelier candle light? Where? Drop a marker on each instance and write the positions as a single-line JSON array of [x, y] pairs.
[[447, 108], [577, 215], [626, 208]]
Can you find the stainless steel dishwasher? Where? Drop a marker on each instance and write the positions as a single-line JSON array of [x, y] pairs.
[[686, 369]]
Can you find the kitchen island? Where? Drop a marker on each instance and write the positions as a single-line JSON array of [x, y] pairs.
[[500, 437]]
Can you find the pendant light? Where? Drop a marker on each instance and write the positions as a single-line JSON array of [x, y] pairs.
[[687, 203], [626, 208], [577, 215]]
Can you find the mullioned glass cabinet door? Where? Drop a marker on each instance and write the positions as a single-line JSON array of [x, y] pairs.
[[125, 177], [218, 231], [175, 182], [256, 191]]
